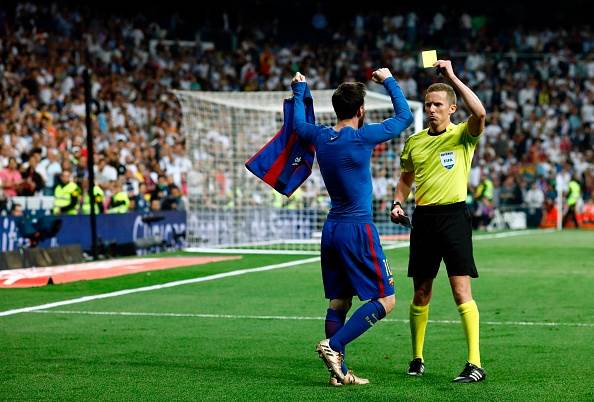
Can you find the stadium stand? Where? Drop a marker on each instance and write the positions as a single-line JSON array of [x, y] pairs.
[[540, 114]]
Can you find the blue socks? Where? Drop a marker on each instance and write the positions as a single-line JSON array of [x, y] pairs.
[[334, 322], [364, 318]]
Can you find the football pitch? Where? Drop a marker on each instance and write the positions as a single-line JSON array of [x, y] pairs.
[[251, 336]]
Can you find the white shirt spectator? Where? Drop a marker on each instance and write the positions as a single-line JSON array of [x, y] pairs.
[[492, 131], [78, 108], [474, 62], [124, 154], [45, 95], [117, 116], [507, 117], [409, 64], [588, 112], [49, 168], [563, 179], [438, 22], [527, 94], [465, 21], [107, 174], [137, 114], [67, 85], [590, 69], [380, 187], [409, 87], [534, 198], [475, 175], [411, 20], [138, 36], [183, 162]]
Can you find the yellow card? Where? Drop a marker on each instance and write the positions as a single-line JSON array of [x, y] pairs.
[[429, 58]]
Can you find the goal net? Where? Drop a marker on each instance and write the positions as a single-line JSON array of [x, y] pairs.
[[230, 208]]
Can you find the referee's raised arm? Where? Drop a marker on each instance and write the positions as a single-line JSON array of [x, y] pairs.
[[476, 122]]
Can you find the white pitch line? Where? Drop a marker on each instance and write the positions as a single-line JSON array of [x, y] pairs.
[[250, 251], [302, 318], [160, 286], [503, 235], [403, 244]]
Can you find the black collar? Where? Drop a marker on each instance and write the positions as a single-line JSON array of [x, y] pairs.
[[436, 134]]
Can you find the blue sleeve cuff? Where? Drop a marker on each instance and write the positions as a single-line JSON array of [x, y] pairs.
[[298, 87], [387, 82]]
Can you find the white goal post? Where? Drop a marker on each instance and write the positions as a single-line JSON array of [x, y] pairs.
[[231, 208]]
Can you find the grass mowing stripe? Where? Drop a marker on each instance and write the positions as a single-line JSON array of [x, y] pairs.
[[402, 244], [491, 236], [224, 275], [157, 287], [302, 318]]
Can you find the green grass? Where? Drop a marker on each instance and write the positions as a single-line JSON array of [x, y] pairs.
[[536, 278], [14, 298]]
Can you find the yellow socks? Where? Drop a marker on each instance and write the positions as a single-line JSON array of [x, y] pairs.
[[470, 321], [419, 315]]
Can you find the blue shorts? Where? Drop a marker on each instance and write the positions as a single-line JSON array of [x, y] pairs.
[[353, 262]]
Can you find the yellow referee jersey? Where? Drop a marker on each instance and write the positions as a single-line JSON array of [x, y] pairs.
[[441, 164]]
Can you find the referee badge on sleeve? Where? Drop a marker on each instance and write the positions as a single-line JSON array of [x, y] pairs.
[[448, 159]]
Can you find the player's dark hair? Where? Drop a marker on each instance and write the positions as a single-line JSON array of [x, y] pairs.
[[441, 87], [347, 99]]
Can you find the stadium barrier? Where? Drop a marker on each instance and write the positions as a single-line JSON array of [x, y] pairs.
[[41, 257], [11, 260], [47, 257], [112, 229]]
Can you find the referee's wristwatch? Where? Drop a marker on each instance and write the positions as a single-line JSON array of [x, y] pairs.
[[394, 203]]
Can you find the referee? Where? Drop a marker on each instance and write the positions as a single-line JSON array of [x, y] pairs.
[[438, 159]]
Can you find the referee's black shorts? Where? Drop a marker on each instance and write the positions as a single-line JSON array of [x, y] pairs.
[[441, 231]]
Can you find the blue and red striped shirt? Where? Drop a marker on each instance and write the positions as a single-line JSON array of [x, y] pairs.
[[285, 161]]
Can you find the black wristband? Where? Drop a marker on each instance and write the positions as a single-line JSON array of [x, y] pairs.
[[394, 203]]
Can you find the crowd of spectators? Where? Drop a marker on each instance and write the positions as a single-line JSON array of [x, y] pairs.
[[537, 86]]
